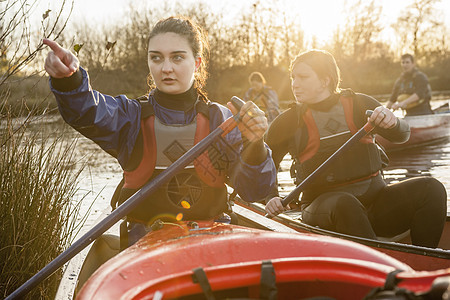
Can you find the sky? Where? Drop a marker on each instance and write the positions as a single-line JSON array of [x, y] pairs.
[[318, 18]]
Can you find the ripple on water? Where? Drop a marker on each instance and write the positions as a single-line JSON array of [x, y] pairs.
[[432, 160]]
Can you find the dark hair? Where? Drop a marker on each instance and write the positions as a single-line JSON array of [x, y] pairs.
[[323, 64], [407, 55], [257, 76], [197, 39]]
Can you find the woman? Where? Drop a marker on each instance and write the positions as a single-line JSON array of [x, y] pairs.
[[262, 95], [147, 136], [351, 196]]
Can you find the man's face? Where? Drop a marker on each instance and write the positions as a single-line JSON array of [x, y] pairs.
[[256, 85], [407, 64]]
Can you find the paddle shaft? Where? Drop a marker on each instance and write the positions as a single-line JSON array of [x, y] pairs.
[[367, 128], [130, 204]]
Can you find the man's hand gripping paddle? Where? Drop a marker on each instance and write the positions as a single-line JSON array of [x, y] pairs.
[[132, 202]]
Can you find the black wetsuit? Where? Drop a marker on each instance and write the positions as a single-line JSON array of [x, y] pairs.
[[369, 207]]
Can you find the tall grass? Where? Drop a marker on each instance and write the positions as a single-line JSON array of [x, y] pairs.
[[22, 94], [38, 176]]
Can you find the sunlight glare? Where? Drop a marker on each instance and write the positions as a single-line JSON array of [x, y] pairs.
[[185, 204], [318, 19]]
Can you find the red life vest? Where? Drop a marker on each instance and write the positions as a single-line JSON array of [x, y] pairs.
[[313, 133], [196, 193], [361, 162], [203, 166]]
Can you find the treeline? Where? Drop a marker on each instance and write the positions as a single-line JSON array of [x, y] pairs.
[[260, 37], [263, 38]]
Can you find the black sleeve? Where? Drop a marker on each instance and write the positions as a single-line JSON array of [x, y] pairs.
[[67, 84], [398, 134], [421, 85], [280, 132], [253, 153], [278, 136], [395, 89]]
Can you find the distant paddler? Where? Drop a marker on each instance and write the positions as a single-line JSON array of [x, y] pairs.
[[412, 91]]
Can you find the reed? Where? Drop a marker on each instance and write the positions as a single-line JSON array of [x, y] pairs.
[[38, 218]]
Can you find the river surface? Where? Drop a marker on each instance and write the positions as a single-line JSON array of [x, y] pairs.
[[432, 160], [102, 173]]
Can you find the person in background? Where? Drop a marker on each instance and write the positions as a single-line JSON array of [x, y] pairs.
[[262, 95], [147, 136], [350, 196], [411, 91]]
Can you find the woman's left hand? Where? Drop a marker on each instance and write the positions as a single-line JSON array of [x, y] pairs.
[[397, 105], [253, 123], [383, 118], [275, 207]]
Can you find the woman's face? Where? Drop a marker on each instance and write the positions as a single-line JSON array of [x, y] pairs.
[[306, 85], [172, 63]]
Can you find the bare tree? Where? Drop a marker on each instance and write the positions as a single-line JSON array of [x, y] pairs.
[[19, 47], [18, 43], [359, 36], [417, 25]]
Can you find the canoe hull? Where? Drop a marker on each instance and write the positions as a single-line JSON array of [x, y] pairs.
[[419, 258], [181, 261], [425, 130]]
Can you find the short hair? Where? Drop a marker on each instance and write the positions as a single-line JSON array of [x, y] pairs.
[[407, 55], [323, 64], [257, 76]]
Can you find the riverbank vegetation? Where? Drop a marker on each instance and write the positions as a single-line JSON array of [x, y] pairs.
[[38, 177], [38, 171], [37, 213], [261, 37]]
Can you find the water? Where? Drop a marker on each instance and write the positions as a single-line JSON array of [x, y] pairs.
[[102, 172], [432, 160]]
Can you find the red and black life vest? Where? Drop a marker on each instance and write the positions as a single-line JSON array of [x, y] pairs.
[[196, 193], [310, 149]]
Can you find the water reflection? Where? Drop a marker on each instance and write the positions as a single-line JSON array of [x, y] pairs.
[[102, 173], [432, 160]]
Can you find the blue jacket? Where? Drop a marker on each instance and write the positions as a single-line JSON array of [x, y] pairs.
[[114, 122]]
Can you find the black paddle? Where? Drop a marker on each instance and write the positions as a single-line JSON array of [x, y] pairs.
[[132, 202], [293, 195]]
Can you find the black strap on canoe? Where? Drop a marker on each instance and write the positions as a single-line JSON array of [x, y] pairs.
[[390, 290], [123, 235], [268, 288], [200, 277], [392, 280], [114, 202]]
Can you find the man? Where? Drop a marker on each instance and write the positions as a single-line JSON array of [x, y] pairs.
[[411, 92]]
